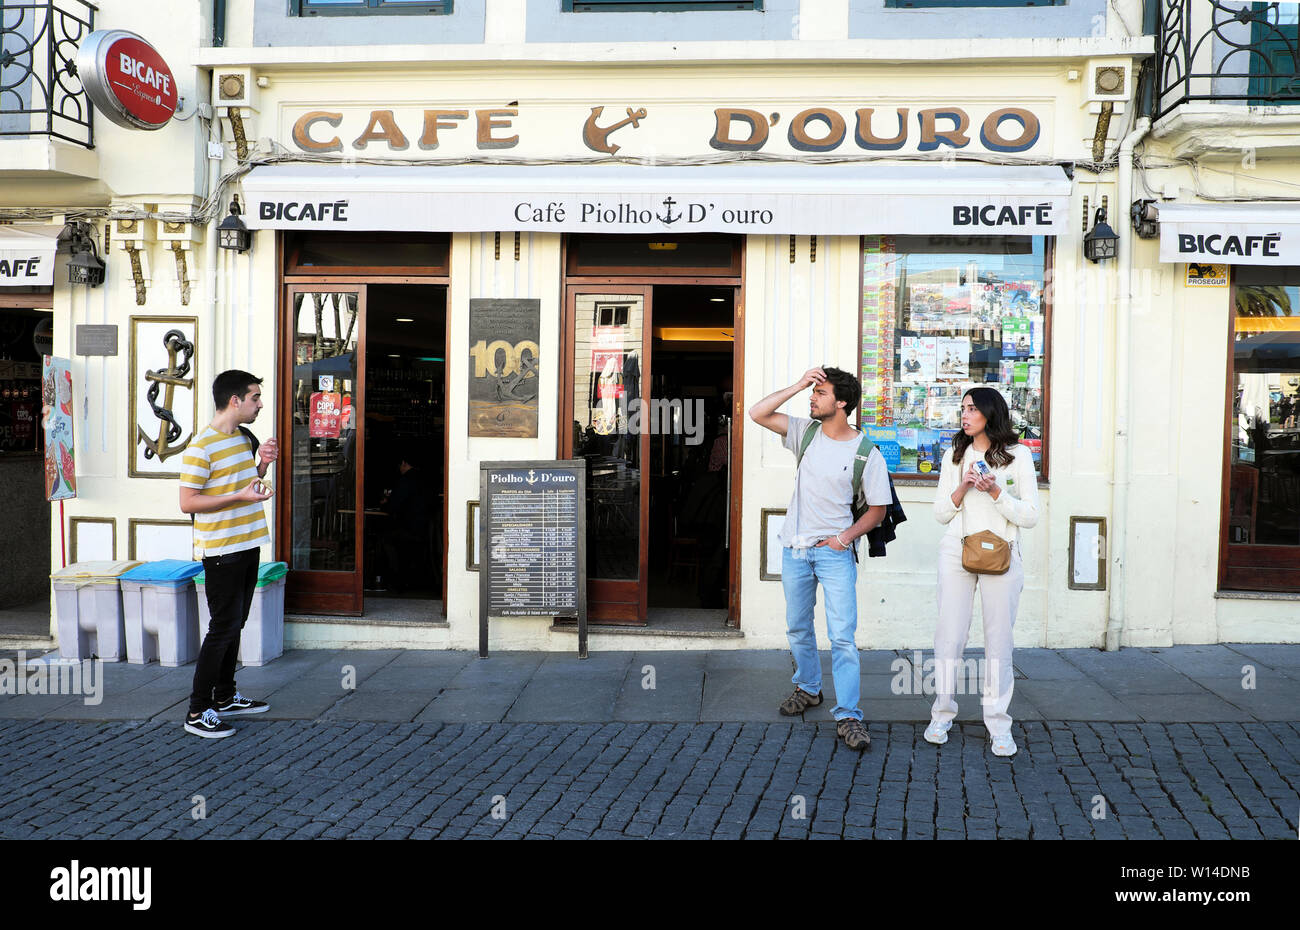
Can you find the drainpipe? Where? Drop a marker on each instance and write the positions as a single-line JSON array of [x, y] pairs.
[[1118, 535], [218, 23]]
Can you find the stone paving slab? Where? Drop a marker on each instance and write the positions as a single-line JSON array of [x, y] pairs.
[[1273, 698], [737, 694], [1082, 700], [1276, 655], [1183, 708], [337, 778], [1207, 661], [654, 690]]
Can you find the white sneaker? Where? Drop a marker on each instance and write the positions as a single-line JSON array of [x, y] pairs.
[[937, 732], [1004, 746]]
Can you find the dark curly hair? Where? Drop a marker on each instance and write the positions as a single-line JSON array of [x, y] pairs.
[[845, 386], [998, 428]]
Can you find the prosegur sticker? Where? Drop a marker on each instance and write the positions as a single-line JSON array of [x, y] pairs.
[[1205, 275]]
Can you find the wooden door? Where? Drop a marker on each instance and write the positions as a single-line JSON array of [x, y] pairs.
[[322, 429], [608, 334]]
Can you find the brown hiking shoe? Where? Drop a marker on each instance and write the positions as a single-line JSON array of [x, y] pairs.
[[854, 733], [800, 701]]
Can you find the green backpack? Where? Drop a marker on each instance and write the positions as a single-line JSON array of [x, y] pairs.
[[859, 466]]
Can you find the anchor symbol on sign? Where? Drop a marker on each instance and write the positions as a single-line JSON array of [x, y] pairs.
[[596, 137], [668, 217], [532, 476], [173, 376]]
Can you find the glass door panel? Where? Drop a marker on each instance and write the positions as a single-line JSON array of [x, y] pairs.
[[610, 346], [325, 448], [1263, 487]]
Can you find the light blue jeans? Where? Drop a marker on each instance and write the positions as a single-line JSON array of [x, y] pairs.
[[801, 570]]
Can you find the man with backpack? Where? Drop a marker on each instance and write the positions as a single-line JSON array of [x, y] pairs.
[[841, 491], [221, 484]]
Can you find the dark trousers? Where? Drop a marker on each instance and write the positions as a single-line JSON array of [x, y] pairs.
[[230, 580]]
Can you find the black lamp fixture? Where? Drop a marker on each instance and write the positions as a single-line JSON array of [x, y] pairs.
[[1101, 242], [85, 265], [232, 233]]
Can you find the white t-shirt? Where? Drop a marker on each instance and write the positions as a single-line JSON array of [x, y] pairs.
[[822, 503], [1016, 507]]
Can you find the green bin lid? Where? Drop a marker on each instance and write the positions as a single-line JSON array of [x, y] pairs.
[[267, 572]]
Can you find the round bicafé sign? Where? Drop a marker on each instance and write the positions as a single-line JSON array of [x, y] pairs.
[[127, 80]]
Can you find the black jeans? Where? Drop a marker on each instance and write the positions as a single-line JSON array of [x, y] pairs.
[[231, 580]]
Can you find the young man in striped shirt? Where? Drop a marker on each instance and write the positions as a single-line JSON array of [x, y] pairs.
[[221, 486]]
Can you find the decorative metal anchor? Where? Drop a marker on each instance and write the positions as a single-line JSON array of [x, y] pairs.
[[596, 137], [173, 376]]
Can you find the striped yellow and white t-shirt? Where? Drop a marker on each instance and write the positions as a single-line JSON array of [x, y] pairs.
[[222, 463]]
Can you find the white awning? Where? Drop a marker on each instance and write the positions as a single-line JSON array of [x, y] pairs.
[[1230, 233], [828, 199], [27, 255]]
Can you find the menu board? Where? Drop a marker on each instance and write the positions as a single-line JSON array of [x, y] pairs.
[[533, 559]]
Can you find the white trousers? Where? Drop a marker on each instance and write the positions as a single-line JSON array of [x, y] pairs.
[[999, 598]]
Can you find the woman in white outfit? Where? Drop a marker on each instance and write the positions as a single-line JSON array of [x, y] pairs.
[[1004, 500]]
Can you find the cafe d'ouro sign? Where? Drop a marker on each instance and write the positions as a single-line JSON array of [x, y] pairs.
[[127, 80]]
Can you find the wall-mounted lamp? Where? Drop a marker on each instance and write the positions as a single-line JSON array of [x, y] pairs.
[[1101, 242], [85, 265], [232, 233]]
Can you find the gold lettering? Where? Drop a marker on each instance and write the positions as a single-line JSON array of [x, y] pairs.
[[489, 120], [434, 120], [722, 139], [381, 126], [867, 139], [302, 131]]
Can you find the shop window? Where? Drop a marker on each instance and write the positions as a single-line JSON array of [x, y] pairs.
[[700, 254], [943, 314], [332, 253], [656, 6], [363, 7], [1262, 485]]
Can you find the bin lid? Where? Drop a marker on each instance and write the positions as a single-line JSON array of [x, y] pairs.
[[271, 571], [267, 572], [95, 571], [167, 571]]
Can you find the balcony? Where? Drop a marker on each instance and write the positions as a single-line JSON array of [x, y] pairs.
[[1225, 52], [40, 94]]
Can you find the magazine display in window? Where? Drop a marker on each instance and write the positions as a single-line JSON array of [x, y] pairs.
[[939, 316]]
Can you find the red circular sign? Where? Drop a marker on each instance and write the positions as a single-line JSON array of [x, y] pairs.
[[140, 80]]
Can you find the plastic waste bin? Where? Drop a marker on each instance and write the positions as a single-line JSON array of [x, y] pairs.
[[263, 636], [161, 612], [88, 603]]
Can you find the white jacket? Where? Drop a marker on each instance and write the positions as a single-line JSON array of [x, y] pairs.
[[1016, 506]]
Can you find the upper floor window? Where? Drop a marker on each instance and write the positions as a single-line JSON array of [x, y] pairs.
[[909, 4], [346, 7], [656, 6]]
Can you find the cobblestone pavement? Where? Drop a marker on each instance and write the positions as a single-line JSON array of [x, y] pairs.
[[285, 778]]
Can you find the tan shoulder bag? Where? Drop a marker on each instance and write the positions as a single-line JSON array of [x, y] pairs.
[[985, 552]]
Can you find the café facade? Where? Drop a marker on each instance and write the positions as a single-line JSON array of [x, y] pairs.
[[452, 265]]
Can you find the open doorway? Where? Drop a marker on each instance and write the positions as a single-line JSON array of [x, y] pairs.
[[405, 437], [26, 333], [690, 455]]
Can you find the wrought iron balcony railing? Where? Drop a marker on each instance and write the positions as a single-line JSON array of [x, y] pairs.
[[1226, 51], [40, 93]]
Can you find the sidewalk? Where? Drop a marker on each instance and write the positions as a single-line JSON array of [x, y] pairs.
[[1179, 684], [1144, 743]]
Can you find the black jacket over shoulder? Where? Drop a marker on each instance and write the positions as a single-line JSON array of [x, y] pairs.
[[884, 533]]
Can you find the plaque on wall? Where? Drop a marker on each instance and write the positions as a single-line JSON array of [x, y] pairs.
[[503, 367], [533, 538]]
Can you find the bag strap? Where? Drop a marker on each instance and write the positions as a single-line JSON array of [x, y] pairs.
[[252, 440], [804, 443], [865, 445]]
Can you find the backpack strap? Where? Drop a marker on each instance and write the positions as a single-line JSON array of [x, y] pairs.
[[252, 440], [804, 443], [865, 445]]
